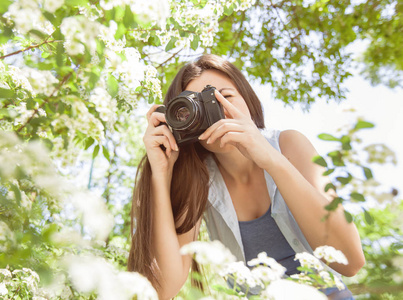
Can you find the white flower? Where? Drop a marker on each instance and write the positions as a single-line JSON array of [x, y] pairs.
[[52, 5], [262, 259], [339, 284], [309, 261], [6, 273], [42, 82], [240, 273], [330, 254], [286, 289], [266, 274], [73, 47], [95, 274], [96, 216], [3, 289], [213, 253]]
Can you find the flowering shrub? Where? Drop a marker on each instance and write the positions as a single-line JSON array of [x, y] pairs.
[[266, 278]]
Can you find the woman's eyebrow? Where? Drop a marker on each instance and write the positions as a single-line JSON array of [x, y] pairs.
[[226, 88]]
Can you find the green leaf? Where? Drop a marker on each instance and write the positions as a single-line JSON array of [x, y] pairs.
[[150, 99], [171, 44], [367, 173], [59, 54], [348, 216], [195, 43], [105, 152], [344, 180], [17, 193], [328, 172], [128, 18], [75, 2], [357, 196], [88, 142], [368, 218], [45, 54], [319, 160], [330, 186], [363, 124], [334, 204], [328, 137], [112, 85], [95, 153], [345, 140], [4, 4], [6, 93]]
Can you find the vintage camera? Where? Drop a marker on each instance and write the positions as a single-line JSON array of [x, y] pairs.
[[191, 113]]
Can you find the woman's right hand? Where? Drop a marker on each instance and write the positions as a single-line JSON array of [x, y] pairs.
[[158, 134]]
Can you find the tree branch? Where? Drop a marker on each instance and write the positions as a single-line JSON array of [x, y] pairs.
[[30, 47]]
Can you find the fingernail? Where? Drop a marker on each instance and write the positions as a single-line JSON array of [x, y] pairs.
[[176, 148], [201, 136], [208, 141]]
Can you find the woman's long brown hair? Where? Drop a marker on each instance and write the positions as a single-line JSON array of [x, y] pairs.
[[189, 186]]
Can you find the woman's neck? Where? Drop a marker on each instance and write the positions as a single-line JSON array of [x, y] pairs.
[[236, 166]]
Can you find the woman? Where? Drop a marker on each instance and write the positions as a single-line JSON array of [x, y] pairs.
[[240, 177]]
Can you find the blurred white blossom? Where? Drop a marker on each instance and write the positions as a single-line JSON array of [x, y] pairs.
[[330, 254], [42, 82], [3, 289], [52, 5], [213, 253], [309, 261], [285, 290], [95, 215], [90, 274], [79, 31], [26, 15]]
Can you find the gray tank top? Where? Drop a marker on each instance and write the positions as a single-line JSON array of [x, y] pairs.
[[263, 234]]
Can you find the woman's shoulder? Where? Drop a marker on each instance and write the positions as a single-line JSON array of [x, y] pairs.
[[296, 146]]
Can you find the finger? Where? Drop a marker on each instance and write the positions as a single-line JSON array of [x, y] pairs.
[[156, 118], [232, 138], [232, 110], [151, 110], [206, 134], [224, 129], [163, 140], [164, 130]]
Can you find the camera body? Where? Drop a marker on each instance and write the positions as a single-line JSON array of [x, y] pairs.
[[191, 113]]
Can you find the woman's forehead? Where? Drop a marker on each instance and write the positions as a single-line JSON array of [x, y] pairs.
[[212, 77]]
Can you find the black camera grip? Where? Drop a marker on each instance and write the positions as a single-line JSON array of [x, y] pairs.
[[162, 109]]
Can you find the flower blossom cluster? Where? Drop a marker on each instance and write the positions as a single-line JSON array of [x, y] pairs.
[[241, 274], [331, 255], [149, 11], [24, 280], [79, 32], [94, 274], [212, 253], [17, 78], [105, 105], [42, 82], [27, 15]]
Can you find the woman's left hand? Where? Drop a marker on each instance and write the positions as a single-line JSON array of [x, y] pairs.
[[240, 131]]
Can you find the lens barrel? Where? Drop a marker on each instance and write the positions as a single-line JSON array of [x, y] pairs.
[[183, 113]]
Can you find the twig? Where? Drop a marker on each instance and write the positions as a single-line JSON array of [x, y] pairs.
[[30, 47], [172, 56], [46, 101]]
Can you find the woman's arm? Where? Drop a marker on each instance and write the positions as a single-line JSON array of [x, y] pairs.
[[173, 267], [301, 183]]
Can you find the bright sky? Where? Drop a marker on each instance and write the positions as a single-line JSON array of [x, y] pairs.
[[379, 105]]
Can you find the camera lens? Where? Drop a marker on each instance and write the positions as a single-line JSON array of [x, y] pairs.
[[182, 114]]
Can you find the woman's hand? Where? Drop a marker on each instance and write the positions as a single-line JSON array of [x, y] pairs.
[[158, 134], [240, 131]]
